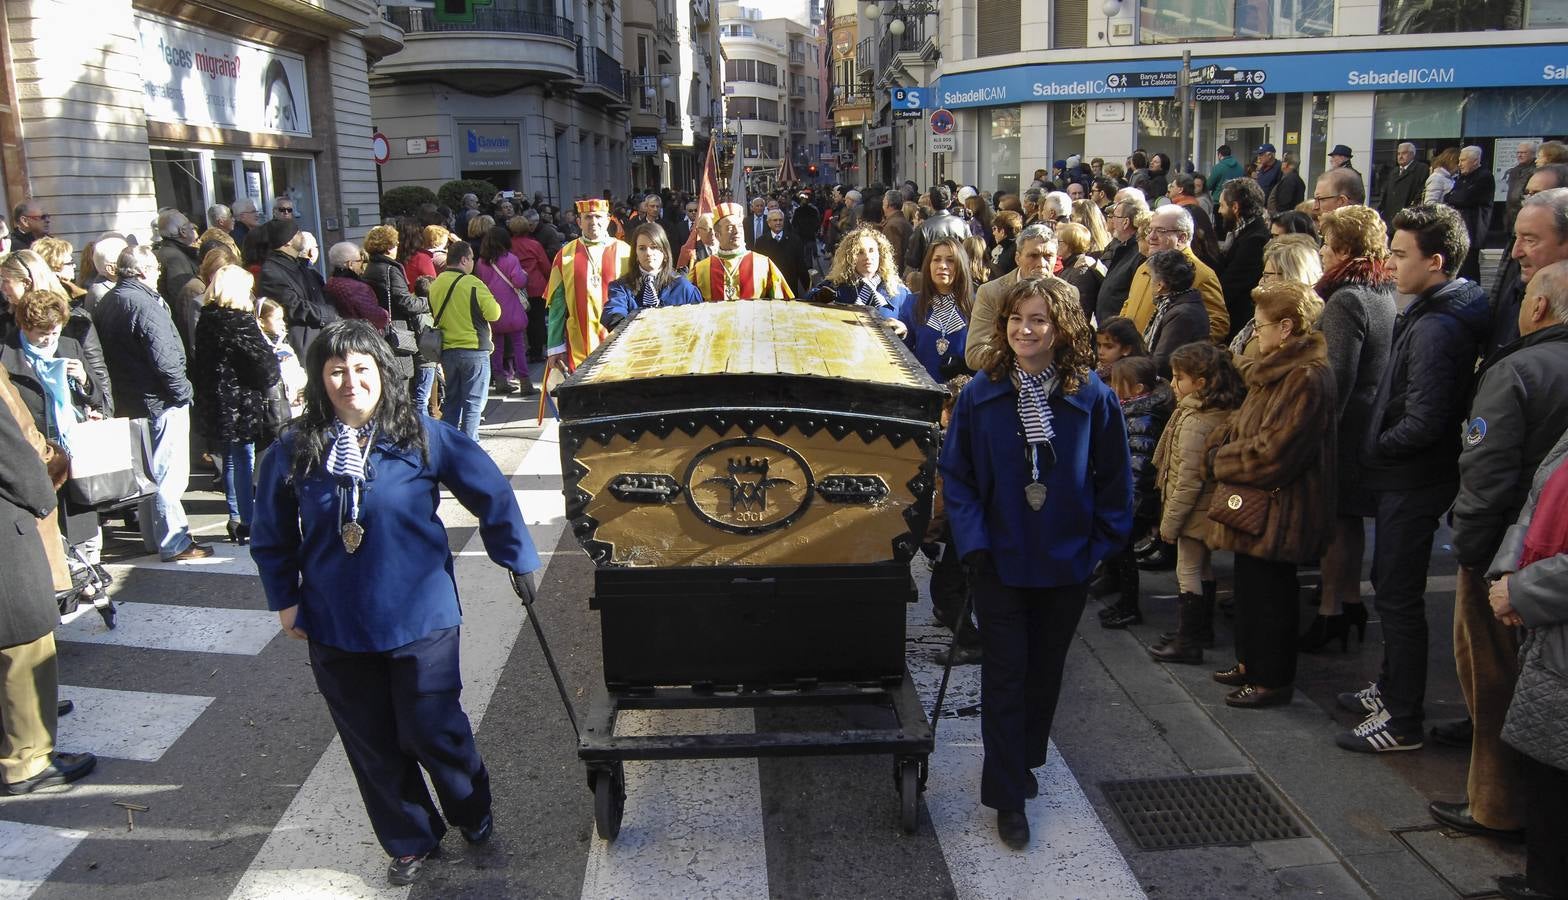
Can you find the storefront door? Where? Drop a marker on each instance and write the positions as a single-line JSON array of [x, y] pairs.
[[1245, 136]]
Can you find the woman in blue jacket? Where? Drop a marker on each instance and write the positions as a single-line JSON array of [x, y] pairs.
[[1038, 487], [937, 318], [355, 560], [653, 283], [864, 273]]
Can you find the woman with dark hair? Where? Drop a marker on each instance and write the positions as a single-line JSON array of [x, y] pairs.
[[1292, 222], [654, 282], [504, 275], [1179, 315], [354, 560], [937, 319], [1039, 423], [1005, 226], [1156, 184]]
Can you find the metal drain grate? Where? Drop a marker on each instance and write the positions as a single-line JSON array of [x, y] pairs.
[[1199, 811]]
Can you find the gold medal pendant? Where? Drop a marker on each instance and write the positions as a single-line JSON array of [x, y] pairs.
[[354, 534], [1034, 494], [942, 343]]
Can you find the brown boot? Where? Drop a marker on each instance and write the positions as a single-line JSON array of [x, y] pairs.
[[1185, 648]]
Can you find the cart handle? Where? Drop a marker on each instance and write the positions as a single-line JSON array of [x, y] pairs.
[[947, 669], [531, 611]]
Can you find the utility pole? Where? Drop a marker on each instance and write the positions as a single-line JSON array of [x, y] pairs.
[[1183, 94]]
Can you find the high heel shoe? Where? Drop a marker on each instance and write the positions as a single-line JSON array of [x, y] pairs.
[[1325, 629], [239, 533], [1356, 617]]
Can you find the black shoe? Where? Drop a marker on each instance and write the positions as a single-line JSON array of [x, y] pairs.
[[234, 532], [1323, 631], [1108, 613], [1458, 733], [1232, 677], [64, 768], [1515, 887], [1160, 558], [405, 869], [1122, 618], [1251, 696], [1013, 827], [64, 708], [1033, 790], [1356, 617], [1457, 816], [482, 833]]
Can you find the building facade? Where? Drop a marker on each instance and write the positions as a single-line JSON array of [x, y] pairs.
[[531, 96], [186, 104], [674, 72], [773, 90], [1031, 83]]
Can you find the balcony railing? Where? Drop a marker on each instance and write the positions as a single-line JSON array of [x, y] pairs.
[[665, 27], [600, 68], [865, 58], [507, 16], [913, 38]]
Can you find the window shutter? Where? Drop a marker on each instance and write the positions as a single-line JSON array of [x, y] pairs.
[[1071, 25], [998, 27]]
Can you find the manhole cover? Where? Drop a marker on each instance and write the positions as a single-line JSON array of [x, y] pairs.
[[1199, 811]]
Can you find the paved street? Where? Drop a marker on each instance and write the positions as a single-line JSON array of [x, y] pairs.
[[204, 713]]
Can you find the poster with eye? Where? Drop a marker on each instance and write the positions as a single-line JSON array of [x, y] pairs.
[[193, 76]]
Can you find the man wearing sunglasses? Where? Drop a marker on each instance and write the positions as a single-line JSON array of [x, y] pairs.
[[29, 223]]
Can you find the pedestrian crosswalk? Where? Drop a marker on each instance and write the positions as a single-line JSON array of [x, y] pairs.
[[692, 829]]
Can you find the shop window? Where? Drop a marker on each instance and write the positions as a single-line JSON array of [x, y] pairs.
[[1516, 111], [177, 182], [1417, 115], [295, 178], [1159, 127], [1437, 16], [1168, 21], [1000, 127], [1070, 24], [1068, 121]]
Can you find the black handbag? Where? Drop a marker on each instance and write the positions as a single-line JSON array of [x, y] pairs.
[[278, 412], [431, 340]]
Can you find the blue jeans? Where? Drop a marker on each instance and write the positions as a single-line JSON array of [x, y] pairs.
[[171, 469], [424, 383], [467, 386], [239, 463]]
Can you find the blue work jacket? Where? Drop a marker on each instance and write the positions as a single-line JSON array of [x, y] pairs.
[[399, 586], [985, 466], [922, 341], [892, 301], [623, 300]]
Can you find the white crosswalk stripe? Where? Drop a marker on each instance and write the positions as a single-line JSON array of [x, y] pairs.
[[134, 725], [193, 629], [29, 854]]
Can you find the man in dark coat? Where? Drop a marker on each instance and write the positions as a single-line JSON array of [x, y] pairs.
[[1411, 459], [1121, 260], [1472, 195], [1515, 420], [1402, 186], [1289, 190], [1241, 258], [1517, 177], [941, 224], [29, 676], [1538, 242], [895, 227], [284, 279], [780, 244], [176, 249]]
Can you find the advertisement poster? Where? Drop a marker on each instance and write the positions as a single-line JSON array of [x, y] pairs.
[[191, 76]]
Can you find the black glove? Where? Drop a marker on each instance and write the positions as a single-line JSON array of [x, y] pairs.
[[523, 584], [979, 562]]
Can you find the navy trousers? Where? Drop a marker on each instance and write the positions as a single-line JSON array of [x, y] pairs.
[[398, 711], [1401, 552], [1024, 633]]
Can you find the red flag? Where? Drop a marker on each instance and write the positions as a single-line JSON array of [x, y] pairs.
[[707, 201]]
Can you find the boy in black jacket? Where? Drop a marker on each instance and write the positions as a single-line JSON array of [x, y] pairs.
[[1147, 403]]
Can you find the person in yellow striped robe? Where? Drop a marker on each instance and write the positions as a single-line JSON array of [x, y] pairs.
[[579, 285], [733, 272]]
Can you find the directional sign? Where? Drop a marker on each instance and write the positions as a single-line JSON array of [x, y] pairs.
[[1241, 76], [942, 122], [908, 114], [910, 98], [1210, 92], [1202, 74], [1141, 80]]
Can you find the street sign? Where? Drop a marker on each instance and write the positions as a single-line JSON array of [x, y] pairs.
[[645, 145], [909, 98], [942, 122], [1202, 74], [1141, 80], [380, 150], [1241, 76], [944, 143], [909, 114], [1210, 92]]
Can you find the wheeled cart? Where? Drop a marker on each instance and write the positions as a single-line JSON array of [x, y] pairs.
[[751, 480]]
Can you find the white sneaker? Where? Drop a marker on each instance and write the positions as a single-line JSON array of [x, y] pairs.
[[1374, 736], [1368, 700]]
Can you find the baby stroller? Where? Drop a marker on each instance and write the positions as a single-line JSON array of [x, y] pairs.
[[89, 589]]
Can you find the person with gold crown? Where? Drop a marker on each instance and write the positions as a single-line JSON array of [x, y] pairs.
[[579, 286], [733, 272]]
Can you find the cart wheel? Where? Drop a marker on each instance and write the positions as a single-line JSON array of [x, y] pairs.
[[907, 777], [609, 800], [107, 611]]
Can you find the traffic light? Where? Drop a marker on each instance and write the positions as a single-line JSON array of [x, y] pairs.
[[811, 169], [458, 12]]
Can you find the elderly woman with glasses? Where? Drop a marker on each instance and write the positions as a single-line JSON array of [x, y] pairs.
[[1293, 258]]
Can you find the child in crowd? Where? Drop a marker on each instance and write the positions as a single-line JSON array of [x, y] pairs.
[[1208, 387], [269, 314], [1117, 337], [948, 583], [1146, 404]]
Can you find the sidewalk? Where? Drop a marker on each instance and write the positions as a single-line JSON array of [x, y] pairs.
[[1124, 716]]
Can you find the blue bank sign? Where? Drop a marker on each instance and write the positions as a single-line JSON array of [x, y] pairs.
[[1370, 70]]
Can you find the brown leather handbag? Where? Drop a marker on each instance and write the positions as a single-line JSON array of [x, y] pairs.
[[1243, 508]]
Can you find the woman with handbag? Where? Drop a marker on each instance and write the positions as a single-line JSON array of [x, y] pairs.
[[501, 272], [1037, 483], [233, 370], [51, 374], [354, 560], [410, 311], [1274, 500]]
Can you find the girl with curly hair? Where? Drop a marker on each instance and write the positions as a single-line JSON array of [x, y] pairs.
[[866, 274], [1037, 485]]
